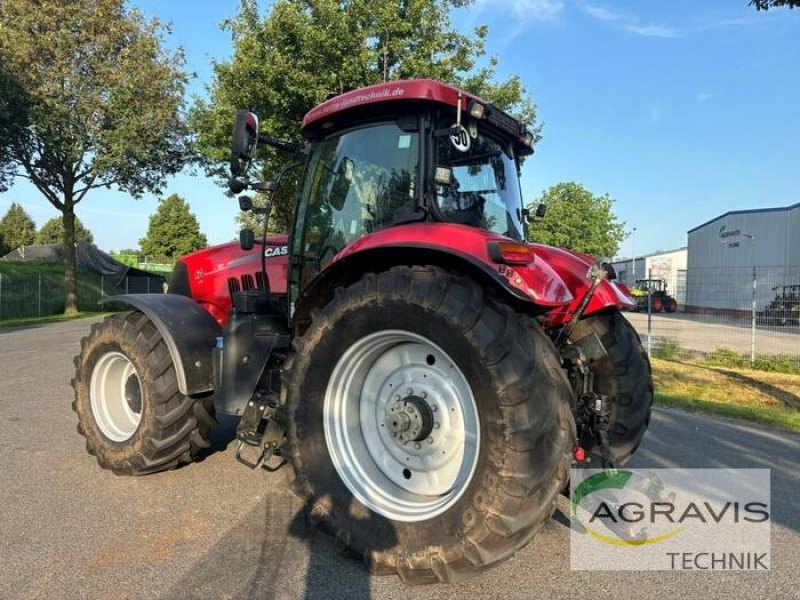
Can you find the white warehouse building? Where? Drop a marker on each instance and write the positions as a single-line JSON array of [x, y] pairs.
[[740, 257], [669, 265]]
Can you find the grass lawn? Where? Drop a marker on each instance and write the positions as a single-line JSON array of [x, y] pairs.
[[34, 288], [49, 319], [33, 267], [757, 396]]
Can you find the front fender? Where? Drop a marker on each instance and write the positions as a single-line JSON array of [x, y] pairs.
[[189, 332]]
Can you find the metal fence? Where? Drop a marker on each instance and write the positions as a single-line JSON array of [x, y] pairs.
[[750, 313], [39, 295]]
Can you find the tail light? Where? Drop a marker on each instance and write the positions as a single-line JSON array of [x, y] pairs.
[[511, 253]]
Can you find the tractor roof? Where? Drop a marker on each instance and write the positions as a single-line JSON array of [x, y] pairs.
[[344, 109], [390, 92]]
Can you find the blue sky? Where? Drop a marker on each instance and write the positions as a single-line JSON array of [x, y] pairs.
[[680, 110]]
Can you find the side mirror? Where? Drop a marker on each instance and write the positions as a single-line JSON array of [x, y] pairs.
[[244, 142], [247, 239], [541, 211], [245, 203]]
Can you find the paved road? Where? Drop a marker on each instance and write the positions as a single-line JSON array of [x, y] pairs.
[[217, 530], [703, 333]]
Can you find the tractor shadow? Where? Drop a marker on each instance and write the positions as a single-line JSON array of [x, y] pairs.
[[223, 434], [276, 551], [220, 438]]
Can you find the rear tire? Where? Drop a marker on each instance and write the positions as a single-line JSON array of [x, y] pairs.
[[670, 305], [524, 434], [656, 304], [134, 418], [624, 376]]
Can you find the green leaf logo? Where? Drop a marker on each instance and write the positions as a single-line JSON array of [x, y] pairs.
[[614, 479]]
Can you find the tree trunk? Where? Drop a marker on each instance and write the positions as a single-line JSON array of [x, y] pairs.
[[70, 271]]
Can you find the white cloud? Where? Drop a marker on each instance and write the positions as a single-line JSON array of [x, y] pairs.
[[704, 97], [604, 14], [524, 11], [653, 30], [520, 14], [536, 10], [631, 23]]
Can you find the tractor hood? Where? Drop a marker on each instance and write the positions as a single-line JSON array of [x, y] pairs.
[[212, 275]]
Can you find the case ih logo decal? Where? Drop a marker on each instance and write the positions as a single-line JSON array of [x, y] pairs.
[[276, 251]]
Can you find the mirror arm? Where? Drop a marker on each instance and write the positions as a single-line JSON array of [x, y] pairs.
[[291, 147]]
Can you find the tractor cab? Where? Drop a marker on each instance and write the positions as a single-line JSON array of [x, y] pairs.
[[645, 287], [399, 153]]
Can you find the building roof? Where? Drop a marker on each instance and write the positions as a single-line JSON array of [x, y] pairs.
[[746, 212], [651, 255]]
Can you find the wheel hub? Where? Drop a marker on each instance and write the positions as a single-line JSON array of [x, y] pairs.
[[410, 419], [133, 394], [401, 425], [115, 396]]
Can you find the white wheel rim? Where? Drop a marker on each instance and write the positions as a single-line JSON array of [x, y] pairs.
[[387, 390], [115, 396]]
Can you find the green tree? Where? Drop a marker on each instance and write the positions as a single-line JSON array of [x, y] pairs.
[[13, 116], [16, 229], [95, 102], [578, 220], [767, 4], [173, 230], [302, 51], [52, 232]]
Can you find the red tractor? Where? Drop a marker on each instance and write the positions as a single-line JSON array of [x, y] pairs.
[[428, 373]]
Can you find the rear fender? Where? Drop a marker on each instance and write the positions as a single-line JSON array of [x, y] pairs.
[[189, 332], [534, 287], [573, 269]]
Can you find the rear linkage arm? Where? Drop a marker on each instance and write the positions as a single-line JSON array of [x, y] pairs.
[[591, 410]]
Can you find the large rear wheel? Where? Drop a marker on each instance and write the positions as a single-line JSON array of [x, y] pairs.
[[134, 418], [430, 428]]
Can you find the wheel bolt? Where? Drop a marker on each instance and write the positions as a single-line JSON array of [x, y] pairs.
[[430, 440], [409, 391], [417, 445], [434, 408], [436, 425], [397, 398], [424, 395]]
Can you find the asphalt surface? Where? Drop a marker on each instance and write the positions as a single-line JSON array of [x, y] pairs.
[[705, 333], [217, 530]]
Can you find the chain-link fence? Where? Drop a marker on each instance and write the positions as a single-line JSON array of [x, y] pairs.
[[39, 295], [748, 314]]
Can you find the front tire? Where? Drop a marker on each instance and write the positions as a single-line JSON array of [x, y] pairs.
[[488, 376], [134, 418]]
